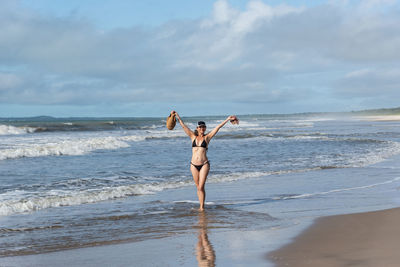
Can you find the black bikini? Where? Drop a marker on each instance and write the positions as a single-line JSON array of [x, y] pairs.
[[198, 167], [204, 145]]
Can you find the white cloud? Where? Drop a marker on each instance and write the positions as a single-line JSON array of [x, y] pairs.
[[9, 81], [252, 55], [370, 83], [358, 73], [372, 5], [222, 12]]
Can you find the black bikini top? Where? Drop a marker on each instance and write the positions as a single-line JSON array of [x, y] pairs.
[[203, 144]]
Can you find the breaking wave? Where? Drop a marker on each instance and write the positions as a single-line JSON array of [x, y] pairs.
[[67, 147], [59, 198], [11, 130], [20, 201]]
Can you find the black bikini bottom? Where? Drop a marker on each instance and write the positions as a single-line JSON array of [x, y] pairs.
[[198, 167]]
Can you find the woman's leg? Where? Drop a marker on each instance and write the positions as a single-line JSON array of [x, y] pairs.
[[201, 192], [195, 174]]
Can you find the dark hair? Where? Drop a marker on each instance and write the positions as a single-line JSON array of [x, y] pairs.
[[200, 123]]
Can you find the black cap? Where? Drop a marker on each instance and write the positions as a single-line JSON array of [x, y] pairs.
[[201, 123]]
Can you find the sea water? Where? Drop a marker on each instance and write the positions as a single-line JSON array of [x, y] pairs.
[[81, 182]]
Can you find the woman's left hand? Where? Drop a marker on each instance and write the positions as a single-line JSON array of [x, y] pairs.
[[233, 119]]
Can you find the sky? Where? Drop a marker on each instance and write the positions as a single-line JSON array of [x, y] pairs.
[[109, 58]]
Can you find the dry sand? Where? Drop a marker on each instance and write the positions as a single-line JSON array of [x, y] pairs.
[[364, 239], [380, 118]]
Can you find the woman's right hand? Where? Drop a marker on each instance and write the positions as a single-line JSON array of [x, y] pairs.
[[174, 113]]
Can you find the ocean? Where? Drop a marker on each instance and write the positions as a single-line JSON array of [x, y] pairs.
[[80, 182]]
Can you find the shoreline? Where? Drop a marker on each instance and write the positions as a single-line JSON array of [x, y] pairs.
[[359, 239], [235, 245], [379, 117]]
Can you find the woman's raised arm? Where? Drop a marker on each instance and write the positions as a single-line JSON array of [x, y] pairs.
[[216, 129], [185, 128]]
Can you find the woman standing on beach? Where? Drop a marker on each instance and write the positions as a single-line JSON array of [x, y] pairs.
[[199, 165]]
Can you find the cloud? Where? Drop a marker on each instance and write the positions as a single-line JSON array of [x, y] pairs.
[[263, 54], [9, 81], [370, 83]]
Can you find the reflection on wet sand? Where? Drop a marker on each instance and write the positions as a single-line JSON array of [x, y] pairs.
[[205, 253]]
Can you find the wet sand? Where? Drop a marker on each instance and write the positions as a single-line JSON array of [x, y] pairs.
[[364, 239], [204, 246]]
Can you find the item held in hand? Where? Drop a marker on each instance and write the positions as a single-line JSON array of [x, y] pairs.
[[171, 122]]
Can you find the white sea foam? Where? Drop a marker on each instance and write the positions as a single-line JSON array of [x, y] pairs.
[[67, 147], [19, 201], [150, 134], [309, 137], [231, 177], [11, 130], [78, 145], [220, 178], [374, 156], [194, 202], [28, 202], [56, 145], [130, 138], [58, 198], [316, 119]]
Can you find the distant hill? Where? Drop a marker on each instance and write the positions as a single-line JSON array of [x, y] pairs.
[[382, 111]]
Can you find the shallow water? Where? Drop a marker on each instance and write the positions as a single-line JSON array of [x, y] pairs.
[[68, 183]]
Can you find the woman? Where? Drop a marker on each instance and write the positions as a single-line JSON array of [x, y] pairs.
[[199, 165]]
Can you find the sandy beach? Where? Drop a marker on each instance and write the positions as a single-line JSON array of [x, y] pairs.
[[363, 239], [380, 118]]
